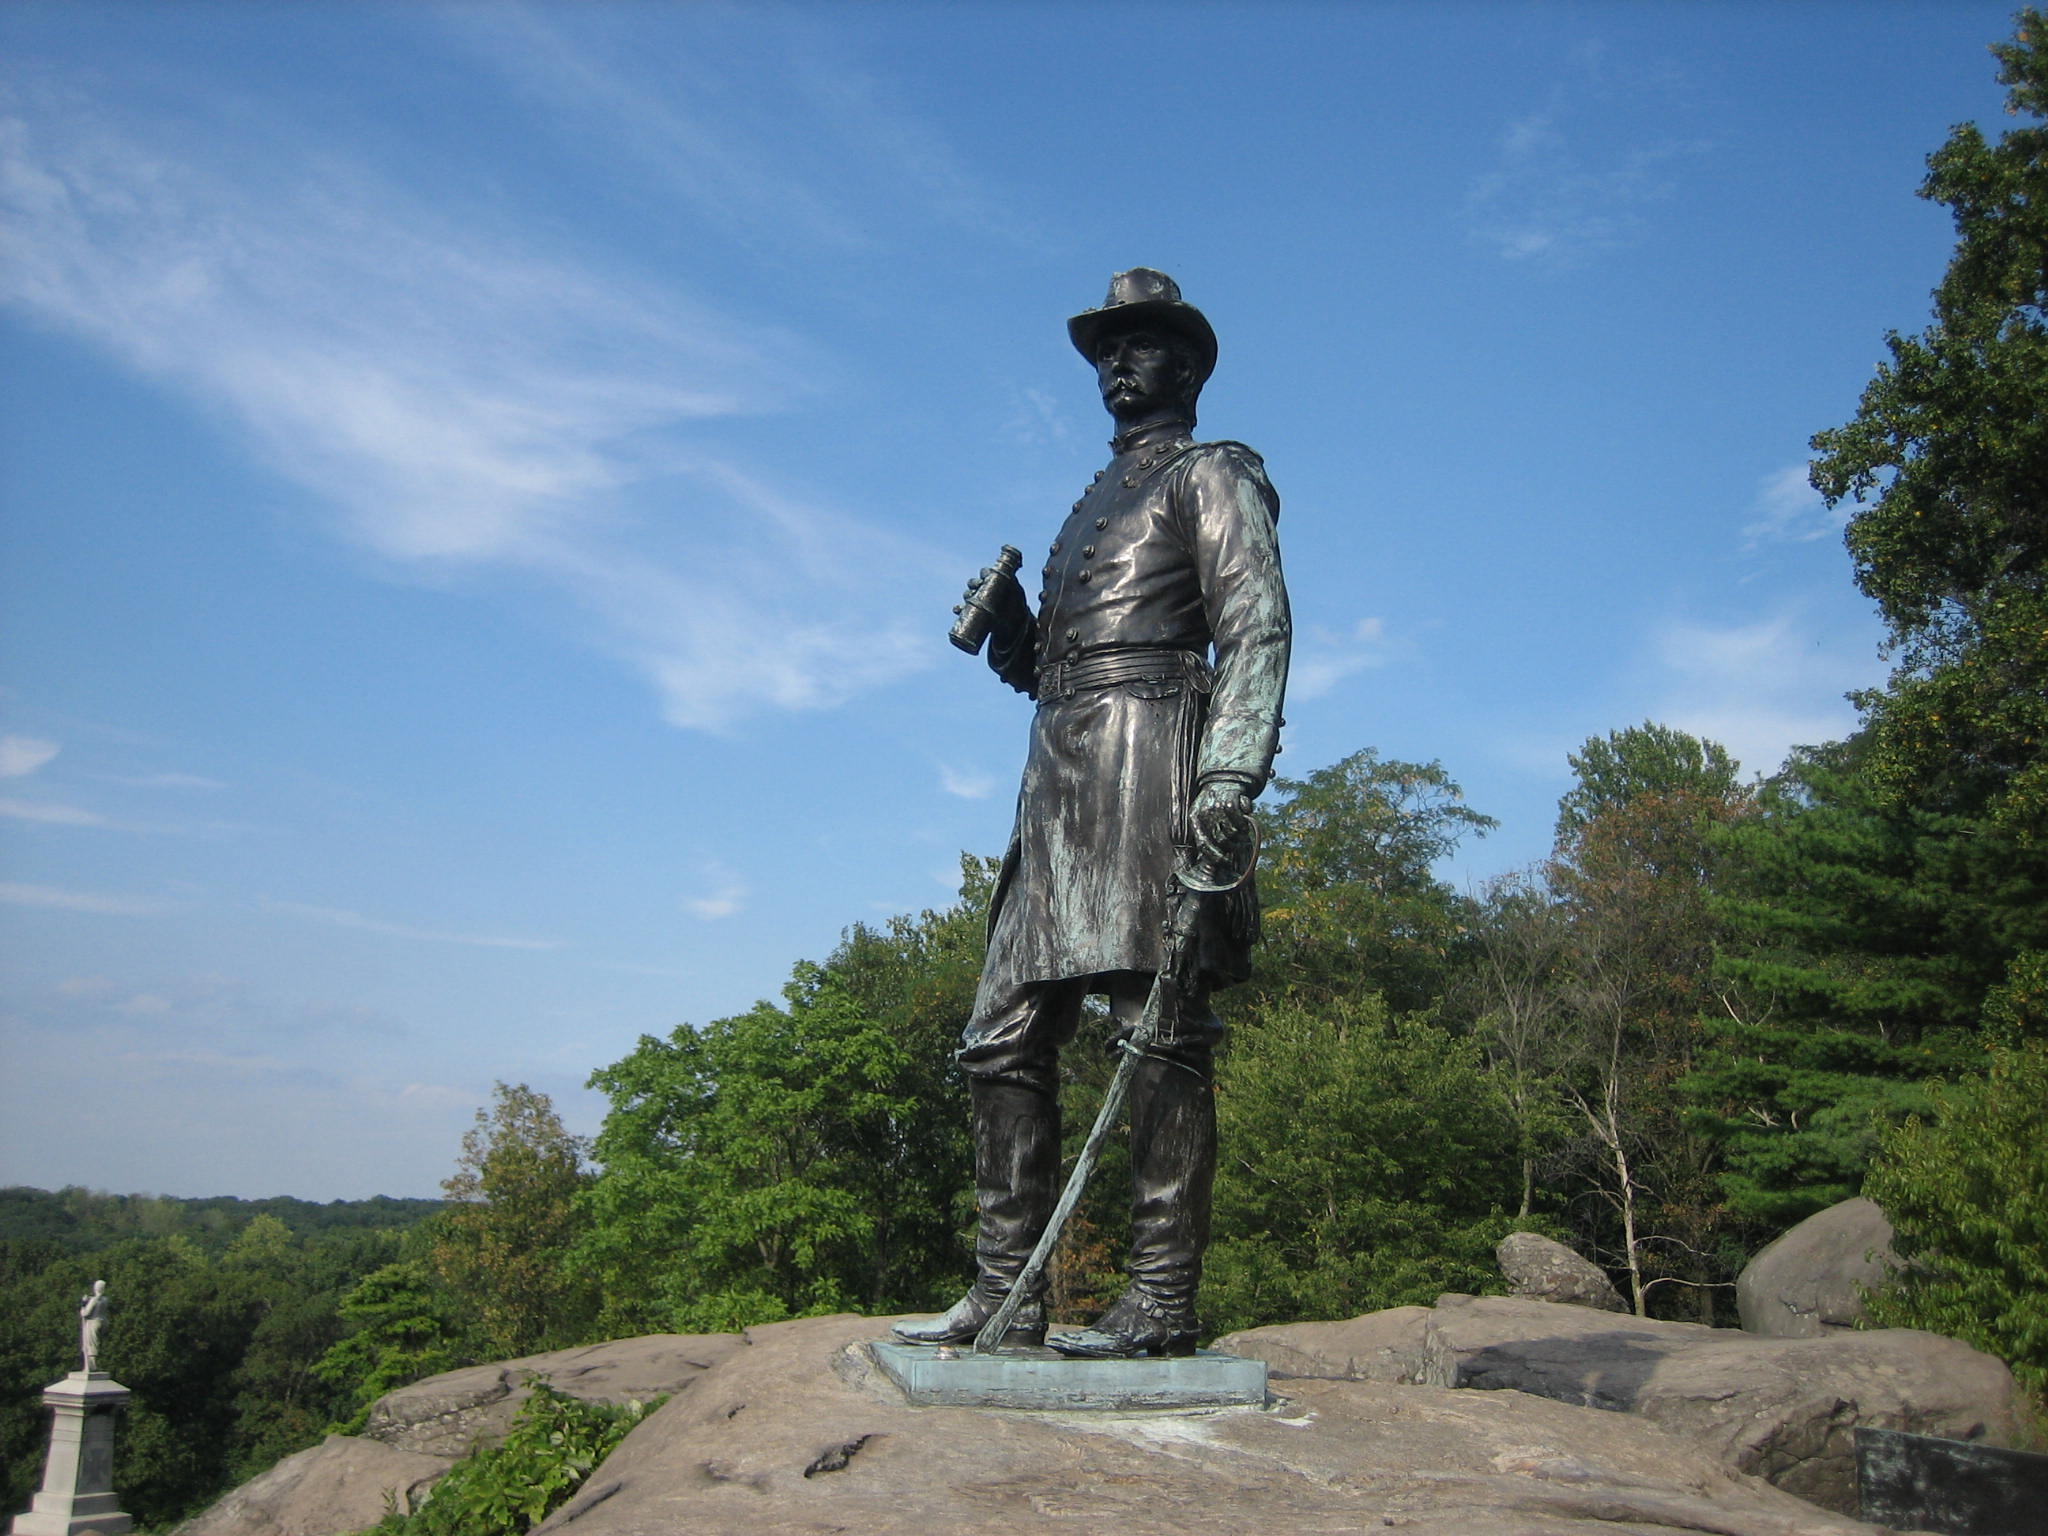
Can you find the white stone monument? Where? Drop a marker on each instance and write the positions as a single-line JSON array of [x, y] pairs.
[[78, 1479]]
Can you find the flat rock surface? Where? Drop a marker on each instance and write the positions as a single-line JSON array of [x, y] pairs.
[[797, 1432], [445, 1415], [1784, 1409], [1380, 1346], [338, 1485]]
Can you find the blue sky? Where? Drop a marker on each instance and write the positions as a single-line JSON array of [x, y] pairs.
[[484, 485]]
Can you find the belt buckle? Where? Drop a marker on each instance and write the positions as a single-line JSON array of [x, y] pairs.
[[1052, 678]]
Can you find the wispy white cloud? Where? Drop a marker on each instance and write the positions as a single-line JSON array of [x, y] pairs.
[[724, 899], [60, 899], [1563, 185], [435, 1096], [51, 813], [968, 784], [466, 395], [1037, 419], [23, 755], [340, 917], [1787, 509], [162, 780], [1761, 688], [754, 120], [1323, 658]]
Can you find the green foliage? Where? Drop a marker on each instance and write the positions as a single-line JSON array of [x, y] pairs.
[[1514, 994], [797, 1159], [1860, 940], [553, 1445], [1638, 852], [1947, 460], [1643, 759], [219, 1352], [1351, 904], [1366, 1161], [2016, 1011], [1966, 1188], [79, 1220], [503, 1243], [403, 1325]]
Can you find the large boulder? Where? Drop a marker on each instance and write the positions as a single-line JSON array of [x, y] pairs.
[[1537, 1267], [447, 1414], [799, 1433], [341, 1484], [1380, 1346], [1810, 1281], [1783, 1409]]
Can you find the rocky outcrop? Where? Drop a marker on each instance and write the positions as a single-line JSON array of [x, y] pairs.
[[1810, 1281], [1783, 1409], [1548, 1271], [338, 1485], [1380, 1346], [445, 1415], [1613, 1424], [416, 1433], [797, 1432]]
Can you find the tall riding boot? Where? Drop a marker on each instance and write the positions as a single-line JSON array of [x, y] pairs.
[[1016, 1171], [1173, 1168]]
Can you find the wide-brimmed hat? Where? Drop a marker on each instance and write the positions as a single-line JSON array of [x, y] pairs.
[[1145, 297]]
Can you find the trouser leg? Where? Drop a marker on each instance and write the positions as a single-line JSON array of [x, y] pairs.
[[1016, 1173], [1173, 1168], [1173, 1158], [1010, 1054]]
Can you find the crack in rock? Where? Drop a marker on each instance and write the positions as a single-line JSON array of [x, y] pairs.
[[834, 1458]]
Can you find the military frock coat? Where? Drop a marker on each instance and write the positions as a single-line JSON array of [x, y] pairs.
[[1169, 565]]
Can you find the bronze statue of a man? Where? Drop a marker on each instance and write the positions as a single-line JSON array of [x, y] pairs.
[[1158, 657]]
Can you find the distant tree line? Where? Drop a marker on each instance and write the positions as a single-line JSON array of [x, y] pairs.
[[223, 1309], [1720, 1005]]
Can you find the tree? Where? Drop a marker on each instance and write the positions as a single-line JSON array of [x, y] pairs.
[[403, 1325], [1642, 759], [800, 1158], [1946, 462], [502, 1245], [1859, 940], [1514, 992], [1367, 1162], [1633, 876], [1345, 875], [1966, 1190]]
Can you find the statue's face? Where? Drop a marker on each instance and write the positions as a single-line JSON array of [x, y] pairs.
[[1141, 374]]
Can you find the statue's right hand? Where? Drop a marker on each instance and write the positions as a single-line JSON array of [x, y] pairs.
[[1005, 600]]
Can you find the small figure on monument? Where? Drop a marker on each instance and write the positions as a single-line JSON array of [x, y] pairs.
[[92, 1314], [1158, 658]]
